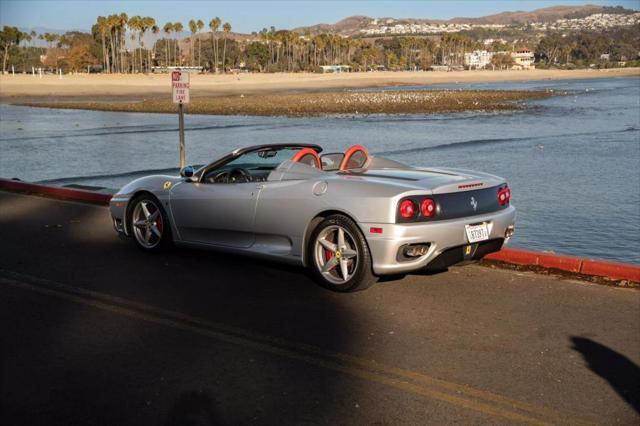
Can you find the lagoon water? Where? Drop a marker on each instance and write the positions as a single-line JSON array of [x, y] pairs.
[[572, 161]]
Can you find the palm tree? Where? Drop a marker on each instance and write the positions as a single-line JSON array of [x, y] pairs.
[[278, 38], [123, 19], [168, 29], [193, 27], [214, 24], [26, 37], [178, 27], [50, 39], [263, 38], [155, 29], [103, 28], [31, 36], [200, 25], [227, 29], [112, 23], [135, 25], [145, 24]]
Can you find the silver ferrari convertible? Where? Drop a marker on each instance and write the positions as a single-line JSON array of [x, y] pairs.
[[349, 217]]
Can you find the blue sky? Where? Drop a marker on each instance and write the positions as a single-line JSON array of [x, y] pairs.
[[253, 15]]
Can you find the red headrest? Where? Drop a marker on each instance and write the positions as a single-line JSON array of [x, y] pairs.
[[354, 158], [308, 156]]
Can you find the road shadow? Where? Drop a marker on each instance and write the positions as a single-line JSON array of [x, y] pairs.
[[622, 374], [69, 363], [193, 408]]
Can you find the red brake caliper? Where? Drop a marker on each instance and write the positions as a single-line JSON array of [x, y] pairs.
[[328, 253]]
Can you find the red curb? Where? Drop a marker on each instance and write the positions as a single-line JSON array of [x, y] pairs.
[[621, 271], [601, 268], [55, 191], [564, 263], [518, 257]]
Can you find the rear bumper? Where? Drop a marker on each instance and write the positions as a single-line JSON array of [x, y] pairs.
[[447, 241]]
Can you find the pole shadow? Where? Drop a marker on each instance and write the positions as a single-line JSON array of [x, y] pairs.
[[622, 374]]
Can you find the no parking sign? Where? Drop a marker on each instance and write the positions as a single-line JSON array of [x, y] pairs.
[[180, 91], [180, 87]]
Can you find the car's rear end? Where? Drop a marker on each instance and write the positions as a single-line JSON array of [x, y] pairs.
[[458, 216]]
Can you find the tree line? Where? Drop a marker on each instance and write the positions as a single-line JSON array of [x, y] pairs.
[[116, 44]]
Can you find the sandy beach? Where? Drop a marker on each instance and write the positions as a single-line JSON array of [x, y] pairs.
[[104, 87]]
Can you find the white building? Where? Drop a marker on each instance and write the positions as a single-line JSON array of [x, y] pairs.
[[478, 59], [523, 59], [335, 68], [488, 41]]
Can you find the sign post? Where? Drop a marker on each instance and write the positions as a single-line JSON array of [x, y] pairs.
[[180, 92]]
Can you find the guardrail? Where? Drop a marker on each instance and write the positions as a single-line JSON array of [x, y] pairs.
[[551, 261]]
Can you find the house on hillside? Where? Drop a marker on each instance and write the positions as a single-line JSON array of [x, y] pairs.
[[523, 59]]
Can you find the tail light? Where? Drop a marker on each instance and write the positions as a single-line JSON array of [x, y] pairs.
[[407, 209], [504, 195], [428, 207]]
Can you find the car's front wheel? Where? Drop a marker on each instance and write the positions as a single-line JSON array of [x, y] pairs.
[[149, 224], [339, 256]]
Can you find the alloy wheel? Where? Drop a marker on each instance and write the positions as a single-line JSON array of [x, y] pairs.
[[336, 254], [147, 223]]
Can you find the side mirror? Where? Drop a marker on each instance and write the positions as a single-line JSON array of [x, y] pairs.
[[187, 172]]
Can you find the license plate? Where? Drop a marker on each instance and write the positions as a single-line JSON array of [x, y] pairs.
[[477, 233]]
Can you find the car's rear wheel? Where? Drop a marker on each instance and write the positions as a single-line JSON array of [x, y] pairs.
[[339, 256], [149, 224]]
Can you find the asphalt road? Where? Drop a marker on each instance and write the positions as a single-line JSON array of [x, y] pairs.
[[93, 331]]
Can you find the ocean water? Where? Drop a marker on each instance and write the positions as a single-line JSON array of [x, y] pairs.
[[572, 161]]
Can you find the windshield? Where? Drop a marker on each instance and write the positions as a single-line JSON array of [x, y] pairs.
[[262, 160]]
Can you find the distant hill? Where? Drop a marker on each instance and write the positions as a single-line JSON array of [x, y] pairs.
[[547, 14], [354, 24], [345, 26]]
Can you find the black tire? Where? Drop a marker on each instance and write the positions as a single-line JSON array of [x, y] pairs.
[[157, 244], [360, 273]]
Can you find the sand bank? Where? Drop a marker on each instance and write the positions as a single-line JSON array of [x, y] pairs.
[[314, 104]]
